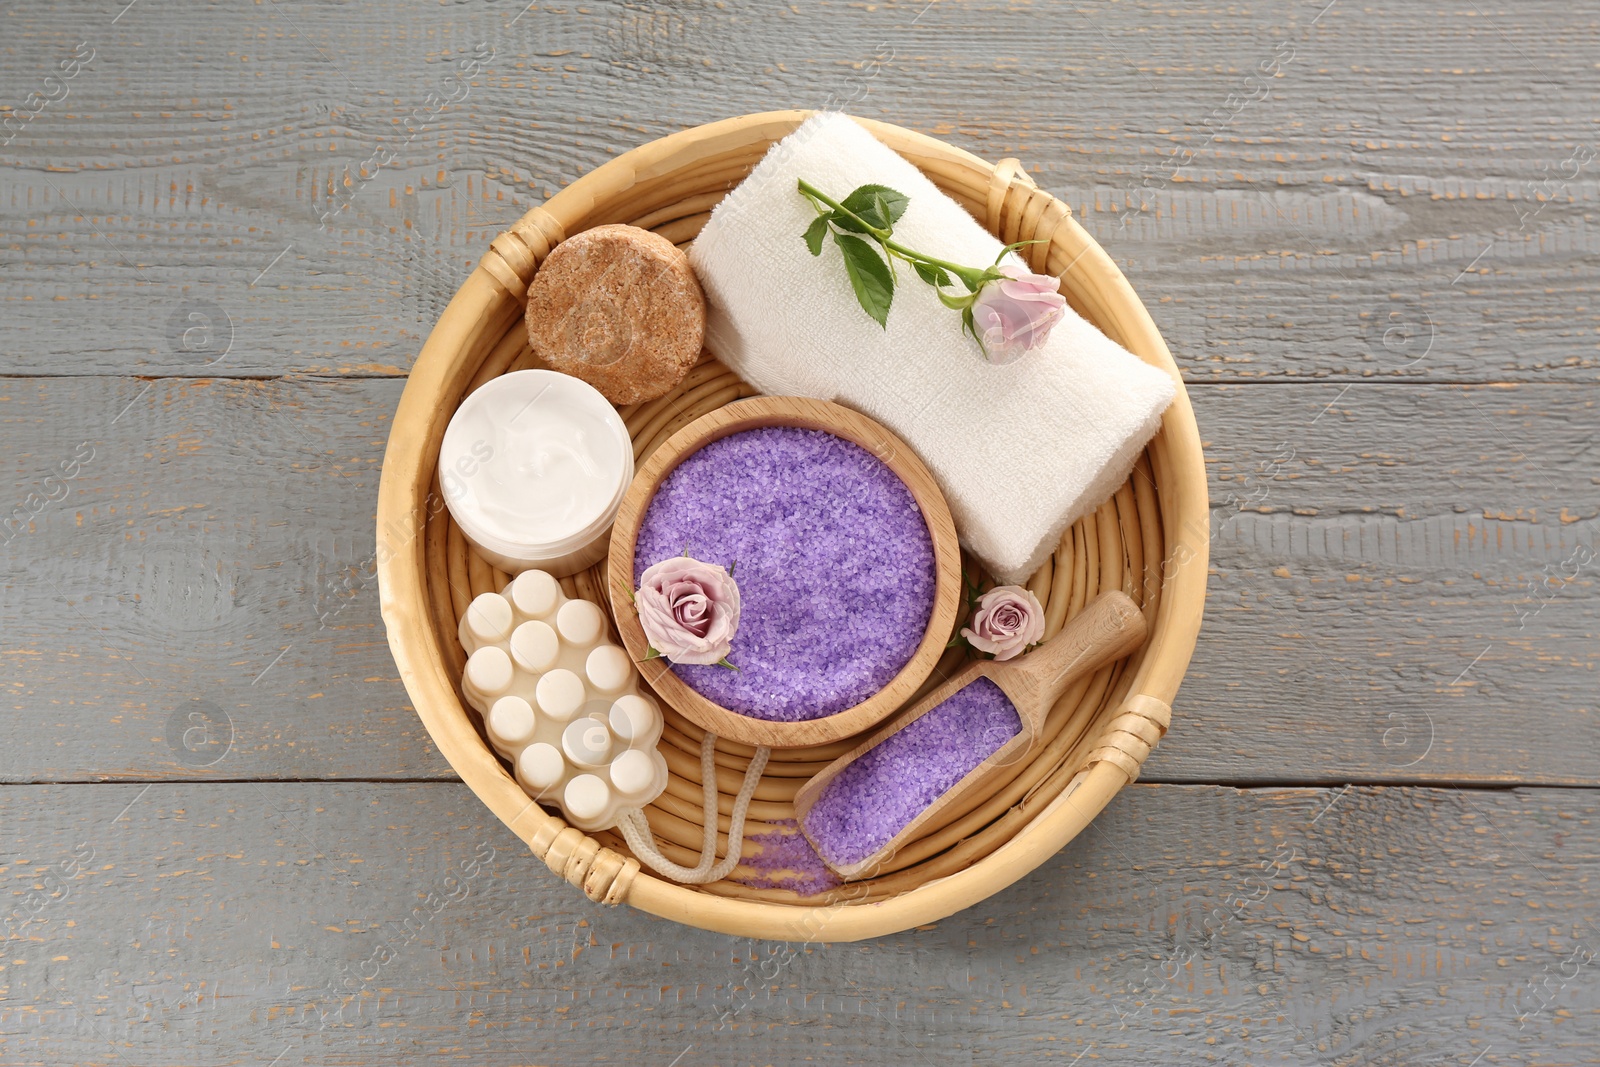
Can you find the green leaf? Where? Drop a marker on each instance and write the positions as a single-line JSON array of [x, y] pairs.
[[869, 276], [934, 276], [957, 303], [878, 205], [845, 222], [651, 653], [970, 327], [723, 662], [815, 233]]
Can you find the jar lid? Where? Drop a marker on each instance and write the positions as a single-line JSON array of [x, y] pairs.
[[534, 463]]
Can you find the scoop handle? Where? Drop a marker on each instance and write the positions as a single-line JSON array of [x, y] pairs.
[[1108, 629]]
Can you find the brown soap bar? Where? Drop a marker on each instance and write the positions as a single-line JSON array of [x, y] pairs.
[[620, 308]]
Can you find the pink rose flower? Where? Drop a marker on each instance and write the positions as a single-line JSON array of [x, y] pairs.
[[1014, 314], [1006, 620], [689, 610]]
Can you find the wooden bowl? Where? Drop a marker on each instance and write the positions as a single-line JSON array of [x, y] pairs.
[[1149, 540], [812, 415]]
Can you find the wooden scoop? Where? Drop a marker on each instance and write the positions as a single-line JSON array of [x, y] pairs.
[[1106, 630]]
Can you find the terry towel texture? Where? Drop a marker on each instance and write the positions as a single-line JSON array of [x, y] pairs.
[[1021, 451]]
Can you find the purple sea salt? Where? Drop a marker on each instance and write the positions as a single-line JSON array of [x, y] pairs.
[[832, 556], [876, 796], [784, 859]]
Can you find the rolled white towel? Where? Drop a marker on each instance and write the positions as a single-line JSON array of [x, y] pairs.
[[1021, 450]]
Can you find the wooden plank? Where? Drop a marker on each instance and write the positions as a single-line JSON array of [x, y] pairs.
[[383, 923], [217, 549], [1323, 222], [1403, 587], [207, 574]]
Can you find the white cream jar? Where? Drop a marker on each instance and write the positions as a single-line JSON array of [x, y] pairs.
[[533, 467]]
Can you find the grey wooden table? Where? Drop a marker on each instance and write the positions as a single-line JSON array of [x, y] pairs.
[[1368, 232]]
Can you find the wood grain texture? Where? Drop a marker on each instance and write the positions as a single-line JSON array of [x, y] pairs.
[[1400, 198], [1399, 589], [212, 556], [368, 923], [1354, 582], [1404, 586]]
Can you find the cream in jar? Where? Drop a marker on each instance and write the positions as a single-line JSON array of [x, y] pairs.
[[533, 467]]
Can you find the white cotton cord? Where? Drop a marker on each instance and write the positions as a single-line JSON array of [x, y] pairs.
[[636, 829]]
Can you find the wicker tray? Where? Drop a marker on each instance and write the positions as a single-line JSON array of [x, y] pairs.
[[1149, 540]]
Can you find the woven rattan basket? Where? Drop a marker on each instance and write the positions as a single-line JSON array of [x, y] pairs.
[[1148, 540]]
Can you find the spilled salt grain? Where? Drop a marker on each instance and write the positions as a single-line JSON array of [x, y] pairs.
[[782, 858]]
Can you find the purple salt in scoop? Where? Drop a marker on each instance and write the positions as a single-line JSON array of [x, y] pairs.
[[874, 798], [833, 559], [869, 802]]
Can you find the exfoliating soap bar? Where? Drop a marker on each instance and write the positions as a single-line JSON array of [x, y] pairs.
[[618, 307], [561, 702]]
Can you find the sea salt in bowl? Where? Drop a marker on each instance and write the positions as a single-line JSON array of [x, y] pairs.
[[844, 552]]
